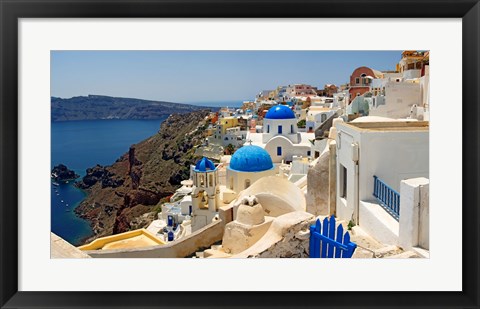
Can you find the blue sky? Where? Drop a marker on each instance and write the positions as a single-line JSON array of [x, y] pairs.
[[203, 76]]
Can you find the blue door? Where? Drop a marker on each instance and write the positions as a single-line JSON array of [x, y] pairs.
[[279, 129], [279, 151]]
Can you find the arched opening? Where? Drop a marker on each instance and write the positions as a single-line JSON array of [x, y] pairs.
[[247, 183], [231, 183], [210, 180], [202, 180], [203, 200]]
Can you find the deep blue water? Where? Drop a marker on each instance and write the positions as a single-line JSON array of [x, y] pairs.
[[83, 144]]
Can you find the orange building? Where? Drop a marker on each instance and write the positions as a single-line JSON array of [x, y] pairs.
[[361, 79]]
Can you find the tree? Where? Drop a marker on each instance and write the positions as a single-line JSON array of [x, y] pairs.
[[302, 123], [229, 150]]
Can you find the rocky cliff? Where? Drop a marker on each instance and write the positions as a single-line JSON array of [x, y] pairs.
[[121, 194], [62, 173]]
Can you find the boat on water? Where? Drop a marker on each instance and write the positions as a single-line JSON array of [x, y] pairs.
[[55, 184], [61, 201]]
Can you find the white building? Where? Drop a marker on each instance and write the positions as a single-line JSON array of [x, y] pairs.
[[397, 99], [374, 156], [317, 115], [300, 90], [205, 193], [341, 99], [234, 136], [280, 137]]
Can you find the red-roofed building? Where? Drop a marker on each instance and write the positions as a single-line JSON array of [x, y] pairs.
[[360, 81]]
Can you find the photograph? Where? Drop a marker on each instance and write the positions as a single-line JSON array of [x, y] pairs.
[[239, 154]]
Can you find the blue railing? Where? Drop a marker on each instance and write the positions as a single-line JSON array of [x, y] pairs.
[[389, 199]]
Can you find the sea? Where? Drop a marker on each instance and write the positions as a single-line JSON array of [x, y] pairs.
[[80, 145]]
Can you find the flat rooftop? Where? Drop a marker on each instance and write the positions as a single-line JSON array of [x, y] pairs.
[[388, 126], [132, 239]]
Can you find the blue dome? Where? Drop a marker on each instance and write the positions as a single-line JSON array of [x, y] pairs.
[[204, 165], [251, 158], [280, 112]]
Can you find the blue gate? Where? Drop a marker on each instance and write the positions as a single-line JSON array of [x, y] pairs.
[[325, 243]]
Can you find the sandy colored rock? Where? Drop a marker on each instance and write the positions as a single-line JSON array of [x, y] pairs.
[[277, 196], [250, 215], [286, 238]]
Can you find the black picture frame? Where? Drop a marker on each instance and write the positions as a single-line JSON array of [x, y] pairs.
[[12, 10]]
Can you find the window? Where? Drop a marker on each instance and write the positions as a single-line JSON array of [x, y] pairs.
[[279, 151], [291, 128], [343, 182], [268, 128], [323, 117], [309, 153], [231, 183], [357, 80], [247, 183], [202, 180], [279, 129]]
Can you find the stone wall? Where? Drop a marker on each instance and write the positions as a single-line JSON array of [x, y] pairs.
[[198, 240], [318, 185]]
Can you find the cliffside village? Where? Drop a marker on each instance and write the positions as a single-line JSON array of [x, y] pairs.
[[357, 153]]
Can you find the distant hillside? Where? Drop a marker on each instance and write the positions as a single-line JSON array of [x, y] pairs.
[[95, 107]]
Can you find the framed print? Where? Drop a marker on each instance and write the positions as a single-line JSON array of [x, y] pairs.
[[250, 154]]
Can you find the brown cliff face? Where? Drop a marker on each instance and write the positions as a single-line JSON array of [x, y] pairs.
[[151, 170]]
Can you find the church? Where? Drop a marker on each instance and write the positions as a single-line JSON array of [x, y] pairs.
[[280, 136]]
